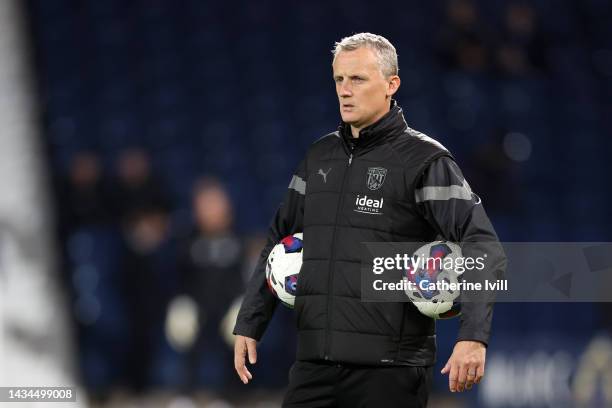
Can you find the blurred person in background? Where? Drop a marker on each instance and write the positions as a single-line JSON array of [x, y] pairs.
[[84, 196], [350, 352], [523, 48], [149, 280], [494, 174], [211, 264], [136, 186], [462, 41], [142, 211]]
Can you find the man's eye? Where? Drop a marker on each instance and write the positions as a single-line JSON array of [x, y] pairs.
[[358, 79], [337, 80]]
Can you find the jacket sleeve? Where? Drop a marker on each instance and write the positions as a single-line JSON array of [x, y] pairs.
[[445, 199], [259, 303]]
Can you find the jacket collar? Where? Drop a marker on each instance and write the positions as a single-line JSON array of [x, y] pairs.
[[391, 124]]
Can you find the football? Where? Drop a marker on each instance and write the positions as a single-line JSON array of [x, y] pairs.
[[283, 268], [435, 262]]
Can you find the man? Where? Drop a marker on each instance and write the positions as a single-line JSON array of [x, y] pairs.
[[210, 272], [353, 353]]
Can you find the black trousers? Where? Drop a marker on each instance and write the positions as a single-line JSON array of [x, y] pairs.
[[323, 384]]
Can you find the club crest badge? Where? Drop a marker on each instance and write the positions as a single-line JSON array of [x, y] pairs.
[[376, 177]]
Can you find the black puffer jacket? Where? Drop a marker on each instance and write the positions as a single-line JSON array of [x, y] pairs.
[[346, 192]]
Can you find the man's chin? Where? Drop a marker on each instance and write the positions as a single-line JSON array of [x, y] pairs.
[[349, 119]]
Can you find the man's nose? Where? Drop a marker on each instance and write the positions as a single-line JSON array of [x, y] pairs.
[[345, 89]]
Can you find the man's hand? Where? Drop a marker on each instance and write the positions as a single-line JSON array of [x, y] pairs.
[[242, 346], [466, 365]]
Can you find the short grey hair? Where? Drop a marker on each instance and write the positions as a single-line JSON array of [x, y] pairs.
[[384, 50]]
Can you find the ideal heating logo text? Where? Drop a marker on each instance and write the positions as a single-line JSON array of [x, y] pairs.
[[368, 205]]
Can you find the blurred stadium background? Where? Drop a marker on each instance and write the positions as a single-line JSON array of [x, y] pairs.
[[146, 144]]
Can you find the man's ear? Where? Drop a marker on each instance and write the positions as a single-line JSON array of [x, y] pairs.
[[394, 84]]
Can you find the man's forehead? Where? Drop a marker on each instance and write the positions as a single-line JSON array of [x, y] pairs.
[[361, 59]]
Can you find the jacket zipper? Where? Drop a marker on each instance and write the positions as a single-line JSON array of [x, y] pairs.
[[330, 279]]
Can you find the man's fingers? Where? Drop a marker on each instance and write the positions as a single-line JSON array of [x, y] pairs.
[[239, 353], [467, 365], [479, 373], [243, 372], [452, 378], [238, 357], [462, 377], [241, 348], [252, 347], [245, 375], [446, 367], [239, 366], [470, 378]]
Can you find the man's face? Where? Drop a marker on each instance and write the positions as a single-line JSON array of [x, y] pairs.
[[363, 90], [213, 210]]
